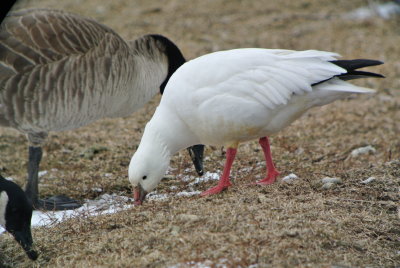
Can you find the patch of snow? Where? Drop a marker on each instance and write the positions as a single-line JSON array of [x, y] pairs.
[[246, 169], [194, 264], [187, 178], [42, 173], [385, 11], [369, 180], [9, 178], [184, 193], [206, 177], [331, 180], [290, 178], [363, 150], [108, 175], [157, 197], [97, 189], [104, 204], [173, 187]]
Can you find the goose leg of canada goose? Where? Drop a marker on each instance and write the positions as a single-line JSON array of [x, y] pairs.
[[272, 172], [32, 187], [224, 181], [196, 153]]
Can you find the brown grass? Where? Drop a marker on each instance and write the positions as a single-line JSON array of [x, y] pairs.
[[286, 225]]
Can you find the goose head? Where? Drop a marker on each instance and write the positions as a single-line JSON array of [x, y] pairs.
[[16, 214], [146, 169]]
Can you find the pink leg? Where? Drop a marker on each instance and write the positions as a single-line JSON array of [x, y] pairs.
[[272, 172], [224, 181]]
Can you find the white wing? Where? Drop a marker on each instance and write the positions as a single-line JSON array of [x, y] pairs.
[[244, 89], [266, 76]]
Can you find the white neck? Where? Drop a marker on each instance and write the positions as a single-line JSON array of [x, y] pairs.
[[3, 206], [170, 132]]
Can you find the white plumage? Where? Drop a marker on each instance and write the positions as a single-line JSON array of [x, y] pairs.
[[228, 97]]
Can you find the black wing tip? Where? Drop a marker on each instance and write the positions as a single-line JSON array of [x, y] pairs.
[[351, 67], [371, 62], [356, 63], [366, 74]]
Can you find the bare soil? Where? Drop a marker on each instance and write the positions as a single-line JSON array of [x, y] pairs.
[[280, 225]]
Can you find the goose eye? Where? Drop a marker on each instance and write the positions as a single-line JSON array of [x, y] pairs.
[[144, 177]]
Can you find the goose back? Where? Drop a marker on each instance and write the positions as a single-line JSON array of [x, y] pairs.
[[60, 71]]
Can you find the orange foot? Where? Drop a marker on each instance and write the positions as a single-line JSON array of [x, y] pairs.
[[271, 178], [215, 190]]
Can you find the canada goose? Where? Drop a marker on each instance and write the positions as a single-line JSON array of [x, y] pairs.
[[16, 214], [60, 71], [228, 97]]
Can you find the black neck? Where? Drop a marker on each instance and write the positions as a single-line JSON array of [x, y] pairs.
[[174, 55]]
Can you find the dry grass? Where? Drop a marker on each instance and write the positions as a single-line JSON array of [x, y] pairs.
[[287, 225]]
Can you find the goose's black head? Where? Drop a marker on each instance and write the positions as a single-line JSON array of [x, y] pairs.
[[16, 214], [174, 55]]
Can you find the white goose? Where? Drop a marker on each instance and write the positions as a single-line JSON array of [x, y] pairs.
[[60, 71], [233, 96]]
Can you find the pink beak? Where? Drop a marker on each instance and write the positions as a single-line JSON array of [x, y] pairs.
[[139, 195]]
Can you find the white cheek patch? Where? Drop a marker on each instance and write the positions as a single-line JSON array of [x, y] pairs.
[[3, 206]]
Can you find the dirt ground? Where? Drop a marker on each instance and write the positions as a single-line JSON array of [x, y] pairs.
[[281, 225]]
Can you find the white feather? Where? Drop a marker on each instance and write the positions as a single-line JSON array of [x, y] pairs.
[[3, 206]]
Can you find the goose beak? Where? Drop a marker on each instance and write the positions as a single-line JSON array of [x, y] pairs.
[[24, 238], [196, 153], [139, 195]]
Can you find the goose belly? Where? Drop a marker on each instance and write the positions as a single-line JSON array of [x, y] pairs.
[[238, 125], [56, 110]]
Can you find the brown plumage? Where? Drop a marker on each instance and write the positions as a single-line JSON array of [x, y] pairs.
[[60, 71]]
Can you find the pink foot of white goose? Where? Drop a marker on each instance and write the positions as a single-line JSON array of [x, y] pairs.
[[228, 97]]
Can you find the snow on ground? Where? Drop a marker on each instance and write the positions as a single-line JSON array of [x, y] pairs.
[[108, 204], [105, 204], [193, 182]]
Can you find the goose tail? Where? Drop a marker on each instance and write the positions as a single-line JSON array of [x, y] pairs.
[[351, 67], [339, 85]]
